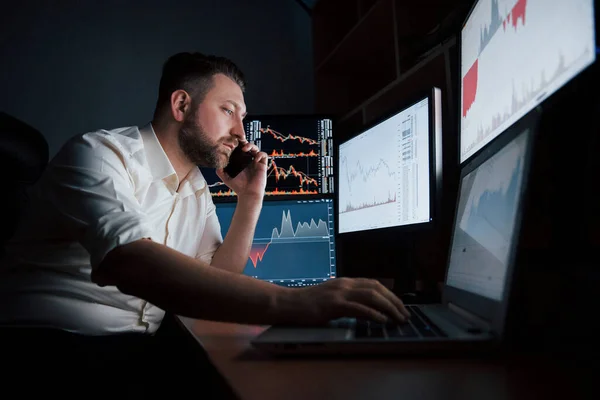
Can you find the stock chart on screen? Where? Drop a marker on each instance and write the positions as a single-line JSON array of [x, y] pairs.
[[300, 151], [514, 55], [485, 225], [293, 243], [384, 176]]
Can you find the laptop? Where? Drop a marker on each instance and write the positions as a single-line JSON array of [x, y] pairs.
[[479, 274]]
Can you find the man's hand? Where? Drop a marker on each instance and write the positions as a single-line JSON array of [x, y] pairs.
[[251, 182], [344, 297]]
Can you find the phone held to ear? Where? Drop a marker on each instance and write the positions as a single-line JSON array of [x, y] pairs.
[[238, 161]]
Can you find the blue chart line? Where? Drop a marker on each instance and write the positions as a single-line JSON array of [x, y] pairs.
[[292, 240], [491, 217], [490, 211], [488, 205]]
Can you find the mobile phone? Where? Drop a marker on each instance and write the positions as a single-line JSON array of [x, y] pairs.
[[238, 161]]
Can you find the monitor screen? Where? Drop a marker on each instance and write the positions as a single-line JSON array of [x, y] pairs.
[[484, 229], [293, 243], [386, 172], [515, 54], [300, 151]]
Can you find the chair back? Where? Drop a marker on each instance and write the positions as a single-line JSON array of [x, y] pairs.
[[24, 155]]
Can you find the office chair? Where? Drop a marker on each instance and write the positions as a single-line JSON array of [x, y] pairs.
[[24, 155]]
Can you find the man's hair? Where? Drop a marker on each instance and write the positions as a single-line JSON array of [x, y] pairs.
[[194, 72]]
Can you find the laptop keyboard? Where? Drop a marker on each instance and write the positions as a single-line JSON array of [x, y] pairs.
[[417, 326]]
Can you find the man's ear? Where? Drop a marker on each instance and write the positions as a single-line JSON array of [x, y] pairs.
[[181, 103]]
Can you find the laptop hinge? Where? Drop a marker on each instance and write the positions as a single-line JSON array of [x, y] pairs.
[[472, 318]]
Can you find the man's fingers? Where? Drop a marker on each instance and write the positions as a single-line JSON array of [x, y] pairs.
[[376, 285], [250, 147], [359, 310], [372, 298], [261, 157], [396, 301], [399, 304], [221, 173]]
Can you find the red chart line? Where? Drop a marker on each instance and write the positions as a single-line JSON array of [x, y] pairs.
[[283, 173], [279, 136], [257, 252]]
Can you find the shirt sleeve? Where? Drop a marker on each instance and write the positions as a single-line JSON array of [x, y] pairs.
[[88, 184], [211, 238]]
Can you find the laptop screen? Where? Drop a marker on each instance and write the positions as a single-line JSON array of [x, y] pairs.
[[485, 222], [293, 242]]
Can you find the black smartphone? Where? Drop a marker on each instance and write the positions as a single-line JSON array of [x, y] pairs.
[[238, 161]]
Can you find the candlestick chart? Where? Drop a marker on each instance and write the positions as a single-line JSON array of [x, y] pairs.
[[300, 151]]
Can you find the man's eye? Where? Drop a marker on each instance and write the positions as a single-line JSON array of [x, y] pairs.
[[228, 111]]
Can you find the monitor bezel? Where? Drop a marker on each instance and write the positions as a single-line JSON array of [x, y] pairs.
[[286, 116], [494, 311], [434, 96], [560, 92]]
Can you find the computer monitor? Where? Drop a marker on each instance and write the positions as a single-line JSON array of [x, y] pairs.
[[389, 173], [300, 148], [514, 54], [294, 241]]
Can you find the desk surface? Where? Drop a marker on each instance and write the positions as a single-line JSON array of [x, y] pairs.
[[254, 375]]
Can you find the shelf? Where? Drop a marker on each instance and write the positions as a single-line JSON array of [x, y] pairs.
[[362, 64], [350, 125], [364, 6], [432, 73], [417, 27], [419, 18], [332, 20], [447, 48]]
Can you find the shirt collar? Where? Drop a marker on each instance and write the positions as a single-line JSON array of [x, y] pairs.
[[196, 181], [162, 169]]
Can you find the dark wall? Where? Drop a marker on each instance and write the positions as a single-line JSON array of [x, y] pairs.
[[72, 66]]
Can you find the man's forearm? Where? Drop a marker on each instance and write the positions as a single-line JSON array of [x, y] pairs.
[[188, 287], [233, 253]]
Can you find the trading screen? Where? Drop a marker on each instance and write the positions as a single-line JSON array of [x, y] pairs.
[[485, 224], [384, 177], [515, 54], [300, 149], [293, 243]]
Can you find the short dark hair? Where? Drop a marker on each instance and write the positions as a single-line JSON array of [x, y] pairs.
[[194, 72]]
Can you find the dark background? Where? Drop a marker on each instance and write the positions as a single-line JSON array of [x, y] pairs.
[[72, 66]]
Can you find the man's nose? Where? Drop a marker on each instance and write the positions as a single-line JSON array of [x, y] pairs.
[[238, 131]]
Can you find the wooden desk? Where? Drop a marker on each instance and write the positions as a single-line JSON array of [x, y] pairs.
[[255, 376]]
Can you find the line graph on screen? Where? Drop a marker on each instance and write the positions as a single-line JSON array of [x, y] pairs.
[[514, 54]]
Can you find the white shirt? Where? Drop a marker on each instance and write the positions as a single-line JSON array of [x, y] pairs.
[[103, 189]]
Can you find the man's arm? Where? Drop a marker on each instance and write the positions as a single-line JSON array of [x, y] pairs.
[[188, 287], [233, 253], [249, 185]]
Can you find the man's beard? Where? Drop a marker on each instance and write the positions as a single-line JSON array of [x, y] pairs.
[[197, 147]]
